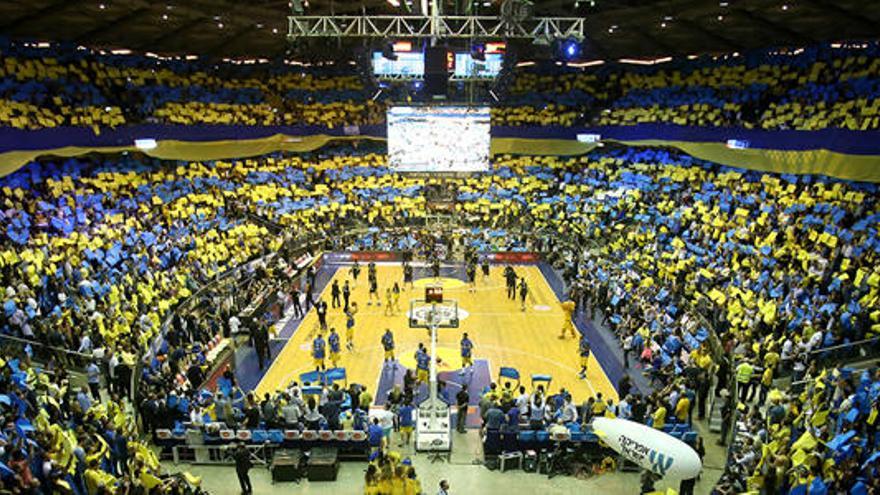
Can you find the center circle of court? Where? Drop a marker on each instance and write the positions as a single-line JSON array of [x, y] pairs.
[[445, 282]]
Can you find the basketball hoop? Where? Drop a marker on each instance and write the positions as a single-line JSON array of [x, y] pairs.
[[425, 314]]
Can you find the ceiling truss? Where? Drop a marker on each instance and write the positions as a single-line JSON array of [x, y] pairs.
[[392, 26]]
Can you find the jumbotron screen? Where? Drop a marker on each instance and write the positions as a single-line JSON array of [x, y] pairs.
[[438, 139]]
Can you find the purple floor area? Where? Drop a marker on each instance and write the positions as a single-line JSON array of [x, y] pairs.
[[477, 379], [247, 369]]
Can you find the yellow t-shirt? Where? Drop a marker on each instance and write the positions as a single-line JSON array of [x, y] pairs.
[[659, 418], [682, 408]]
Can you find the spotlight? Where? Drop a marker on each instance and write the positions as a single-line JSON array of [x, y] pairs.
[[569, 49]]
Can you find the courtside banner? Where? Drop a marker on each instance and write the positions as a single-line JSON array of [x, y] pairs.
[[508, 257], [351, 256]]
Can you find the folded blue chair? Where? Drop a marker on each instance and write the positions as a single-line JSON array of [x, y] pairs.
[[276, 436], [526, 436], [259, 436]]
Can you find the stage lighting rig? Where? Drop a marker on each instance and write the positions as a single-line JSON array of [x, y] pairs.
[[516, 21]]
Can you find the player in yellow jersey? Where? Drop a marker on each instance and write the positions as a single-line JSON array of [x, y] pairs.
[[395, 297], [567, 326], [349, 325]]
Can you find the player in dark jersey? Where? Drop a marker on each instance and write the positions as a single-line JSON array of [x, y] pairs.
[[523, 292], [407, 275], [584, 352], [374, 292], [355, 273]]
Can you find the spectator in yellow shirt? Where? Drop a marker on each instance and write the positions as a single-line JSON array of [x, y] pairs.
[[682, 409], [659, 417]]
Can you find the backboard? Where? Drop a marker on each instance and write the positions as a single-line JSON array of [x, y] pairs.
[[423, 313]]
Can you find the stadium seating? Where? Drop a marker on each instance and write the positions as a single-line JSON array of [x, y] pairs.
[[831, 449], [827, 86], [665, 250], [44, 86], [59, 440], [817, 87]]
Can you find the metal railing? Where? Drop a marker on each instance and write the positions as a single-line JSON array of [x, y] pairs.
[[42, 352]]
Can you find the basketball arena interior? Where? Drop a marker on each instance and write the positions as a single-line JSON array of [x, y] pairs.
[[403, 247]]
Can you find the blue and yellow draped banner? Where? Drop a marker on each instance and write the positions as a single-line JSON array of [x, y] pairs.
[[842, 154]]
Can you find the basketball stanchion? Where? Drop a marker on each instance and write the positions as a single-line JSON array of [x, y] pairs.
[[433, 424]]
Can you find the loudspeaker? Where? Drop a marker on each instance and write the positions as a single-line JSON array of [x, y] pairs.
[[436, 75]]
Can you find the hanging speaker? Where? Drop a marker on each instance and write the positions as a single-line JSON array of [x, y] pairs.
[[436, 74]]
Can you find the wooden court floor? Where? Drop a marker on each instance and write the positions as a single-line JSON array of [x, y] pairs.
[[503, 335]]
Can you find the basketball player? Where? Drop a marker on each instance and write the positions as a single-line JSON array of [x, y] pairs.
[[584, 351], [472, 277], [510, 279], [355, 272], [435, 267], [467, 348], [395, 297], [389, 308], [568, 308], [350, 312], [423, 361], [333, 341], [371, 269], [318, 346], [388, 345], [485, 267], [374, 292], [523, 292], [407, 275]]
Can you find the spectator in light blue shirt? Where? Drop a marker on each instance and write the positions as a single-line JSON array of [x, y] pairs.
[[82, 398], [93, 372]]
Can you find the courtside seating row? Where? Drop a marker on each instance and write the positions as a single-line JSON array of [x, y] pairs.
[[344, 440], [540, 439]]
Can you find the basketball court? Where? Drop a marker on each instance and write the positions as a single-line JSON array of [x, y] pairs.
[[503, 336]]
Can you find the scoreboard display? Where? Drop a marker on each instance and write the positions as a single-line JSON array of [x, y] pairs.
[[434, 294]]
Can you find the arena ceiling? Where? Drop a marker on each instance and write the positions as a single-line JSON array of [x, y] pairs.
[[616, 28]]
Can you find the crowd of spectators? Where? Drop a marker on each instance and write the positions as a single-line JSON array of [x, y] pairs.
[[810, 88], [65, 439], [661, 246], [817, 437], [46, 85]]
